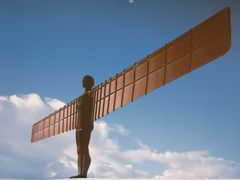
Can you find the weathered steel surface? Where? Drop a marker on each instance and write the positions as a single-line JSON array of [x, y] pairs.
[[193, 49], [58, 122]]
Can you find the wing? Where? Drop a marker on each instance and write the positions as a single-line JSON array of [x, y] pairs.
[[193, 49], [58, 122]]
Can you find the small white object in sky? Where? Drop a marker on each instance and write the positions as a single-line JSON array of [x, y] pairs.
[[131, 1]]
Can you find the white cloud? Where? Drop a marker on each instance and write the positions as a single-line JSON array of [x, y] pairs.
[[18, 156], [119, 129], [54, 103], [192, 164], [56, 156]]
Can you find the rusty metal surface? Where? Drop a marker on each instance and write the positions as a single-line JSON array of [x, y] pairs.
[[193, 49], [58, 122]]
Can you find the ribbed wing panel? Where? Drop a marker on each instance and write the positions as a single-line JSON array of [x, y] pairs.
[[58, 122], [193, 49]]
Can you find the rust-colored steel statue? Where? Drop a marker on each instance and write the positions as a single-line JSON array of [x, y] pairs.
[[84, 127], [195, 48]]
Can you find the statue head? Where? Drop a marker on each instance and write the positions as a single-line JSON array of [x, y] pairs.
[[88, 82]]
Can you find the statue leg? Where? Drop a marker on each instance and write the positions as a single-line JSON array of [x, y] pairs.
[[86, 157], [84, 160]]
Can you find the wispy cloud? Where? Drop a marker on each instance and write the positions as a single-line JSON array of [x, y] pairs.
[[56, 156], [191, 164]]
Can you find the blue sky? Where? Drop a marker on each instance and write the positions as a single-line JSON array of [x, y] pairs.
[[46, 47]]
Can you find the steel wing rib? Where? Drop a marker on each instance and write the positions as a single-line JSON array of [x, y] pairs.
[[198, 46], [195, 48]]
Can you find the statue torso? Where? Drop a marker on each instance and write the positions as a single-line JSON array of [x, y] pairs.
[[85, 109]]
